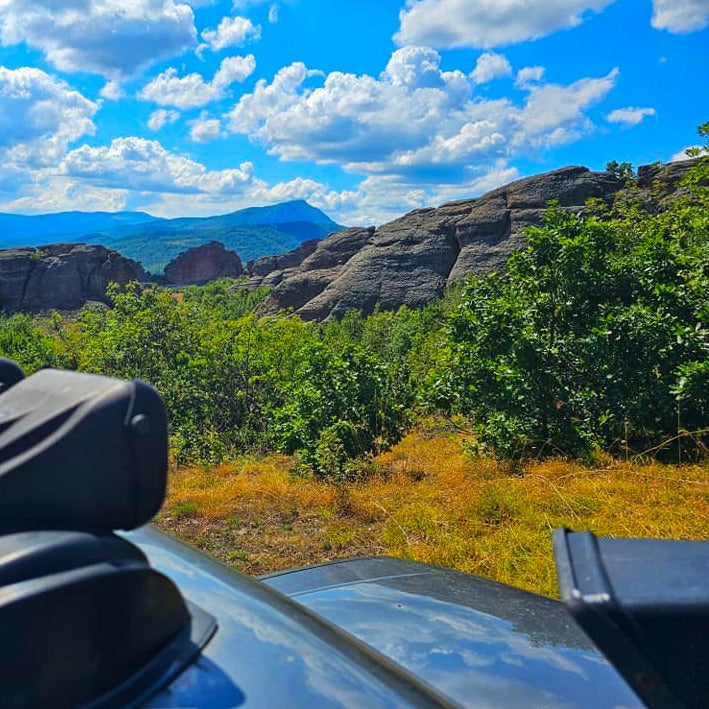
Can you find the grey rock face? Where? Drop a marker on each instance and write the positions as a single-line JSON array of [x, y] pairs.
[[202, 264], [409, 261], [294, 288], [664, 177], [262, 267], [61, 276]]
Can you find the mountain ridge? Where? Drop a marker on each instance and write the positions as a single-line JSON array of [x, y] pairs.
[[154, 241], [39, 229]]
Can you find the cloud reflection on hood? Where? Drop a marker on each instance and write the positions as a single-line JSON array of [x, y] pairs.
[[472, 656]]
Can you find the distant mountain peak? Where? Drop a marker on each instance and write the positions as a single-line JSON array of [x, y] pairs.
[[153, 241]]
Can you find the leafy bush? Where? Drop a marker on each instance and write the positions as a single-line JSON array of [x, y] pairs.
[[343, 404], [597, 332], [231, 381], [595, 337], [32, 342]]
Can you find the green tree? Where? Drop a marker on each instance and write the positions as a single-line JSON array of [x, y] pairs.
[[598, 330], [622, 170]]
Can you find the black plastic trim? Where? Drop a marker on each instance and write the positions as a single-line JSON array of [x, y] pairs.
[[645, 604]]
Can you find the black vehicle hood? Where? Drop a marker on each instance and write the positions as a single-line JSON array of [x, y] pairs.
[[479, 642], [378, 632]]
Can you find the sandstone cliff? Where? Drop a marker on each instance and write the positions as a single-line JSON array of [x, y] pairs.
[[409, 261], [202, 264], [61, 276]]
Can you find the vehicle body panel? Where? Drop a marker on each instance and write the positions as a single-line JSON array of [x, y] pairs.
[[268, 650], [477, 642], [481, 643]]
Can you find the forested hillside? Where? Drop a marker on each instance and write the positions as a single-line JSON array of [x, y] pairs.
[[595, 338], [153, 242]]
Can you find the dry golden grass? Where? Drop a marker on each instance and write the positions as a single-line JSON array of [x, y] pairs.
[[430, 504]]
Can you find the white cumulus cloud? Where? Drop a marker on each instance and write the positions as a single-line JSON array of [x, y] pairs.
[[231, 32], [190, 91], [352, 117], [682, 154], [162, 117], [554, 114], [130, 173], [112, 91], [108, 37], [489, 66], [204, 129], [680, 16], [630, 116], [314, 192], [488, 23], [529, 75], [381, 198], [135, 163], [40, 116], [414, 121]]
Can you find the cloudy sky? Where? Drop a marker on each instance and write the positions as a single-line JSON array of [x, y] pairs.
[[366, 108]]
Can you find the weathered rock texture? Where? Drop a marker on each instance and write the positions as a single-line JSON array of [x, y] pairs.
[[662, 177], [269, 270], [298, 286], [409, 261], [202, 264], [61, 276], [261, 267]]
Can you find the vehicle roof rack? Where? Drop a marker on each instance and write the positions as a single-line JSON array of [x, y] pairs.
[[86, 620], [645, 604]]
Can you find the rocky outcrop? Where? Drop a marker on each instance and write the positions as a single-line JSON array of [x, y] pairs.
[[61, 276], [295, 288], [270, 270], [662, 177], [411, 260], [261, 267], [202, 264]]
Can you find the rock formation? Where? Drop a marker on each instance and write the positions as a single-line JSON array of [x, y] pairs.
[[202, 264], [298, 286], [268, 270], [61, 276], [664, 177], [409, 261]]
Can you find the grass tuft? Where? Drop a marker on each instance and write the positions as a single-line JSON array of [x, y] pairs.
[[428, 501]]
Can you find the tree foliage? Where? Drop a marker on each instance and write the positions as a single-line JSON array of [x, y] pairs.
[[232, 381], [596, 335]]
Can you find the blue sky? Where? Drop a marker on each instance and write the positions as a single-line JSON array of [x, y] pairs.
[[366, 108]]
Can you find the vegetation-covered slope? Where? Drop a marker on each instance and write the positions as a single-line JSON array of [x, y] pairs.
[[153, 242], [594, 338], [154, 246]]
